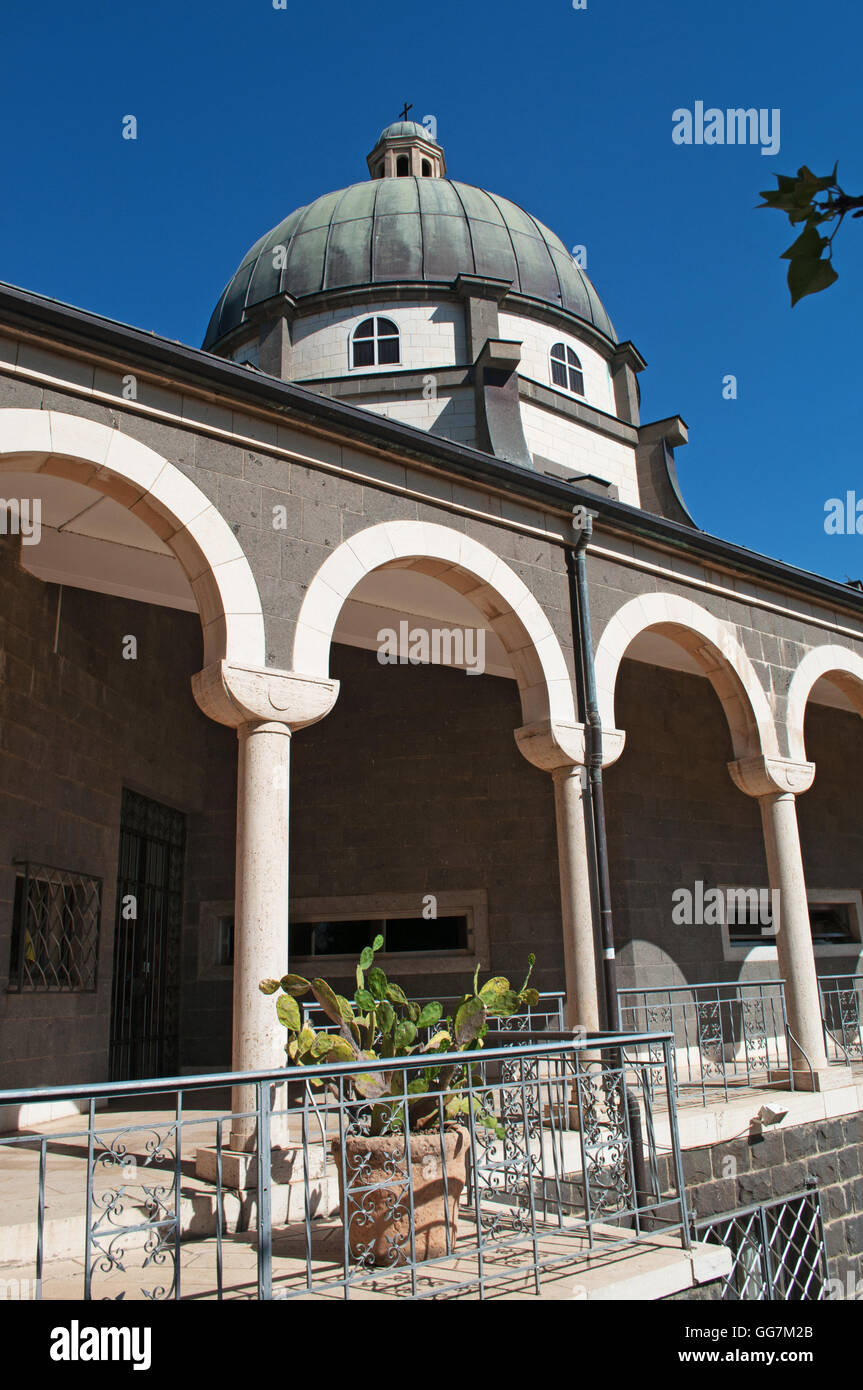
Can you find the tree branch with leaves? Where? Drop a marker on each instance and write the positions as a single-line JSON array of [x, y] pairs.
[[815, 201]]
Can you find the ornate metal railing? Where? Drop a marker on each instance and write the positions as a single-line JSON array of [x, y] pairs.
[[549, 1015], [520, 1162], [842, 1013], [726, 1034]]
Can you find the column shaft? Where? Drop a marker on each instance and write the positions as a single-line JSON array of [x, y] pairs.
[[794, 937], [575, 901], [261, 908]]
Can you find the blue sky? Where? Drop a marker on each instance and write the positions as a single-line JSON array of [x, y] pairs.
[[245, 112]]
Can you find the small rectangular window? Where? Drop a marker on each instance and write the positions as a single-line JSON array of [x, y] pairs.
[[558, 373], [402, 936], [388, 349], [225, 941], [832, 923], [364, 352]]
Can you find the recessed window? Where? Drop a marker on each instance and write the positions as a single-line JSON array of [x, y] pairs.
[[403, 166], [835, 919], [426, 169], [833, 924], [402, 935], [375, 343], [442, 933], [566, 369], [55, 929], [224, 940]]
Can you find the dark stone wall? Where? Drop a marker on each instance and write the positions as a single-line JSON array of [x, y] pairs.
[[76, 726], [414, 784], [747, 1171], [675, 817]]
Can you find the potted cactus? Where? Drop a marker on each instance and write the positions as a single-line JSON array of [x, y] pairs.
[[396, 1141]]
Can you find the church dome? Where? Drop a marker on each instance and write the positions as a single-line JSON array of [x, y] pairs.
[[407, 231]]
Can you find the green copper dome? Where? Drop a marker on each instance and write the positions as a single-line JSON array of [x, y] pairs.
[[423, 231], [400, 128]]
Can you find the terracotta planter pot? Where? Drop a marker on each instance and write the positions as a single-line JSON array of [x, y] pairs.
[[378, 1209]]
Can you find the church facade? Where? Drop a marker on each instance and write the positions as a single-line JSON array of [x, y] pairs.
[[294, 652]]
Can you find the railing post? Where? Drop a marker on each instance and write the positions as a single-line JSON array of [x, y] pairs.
[[265, 1215]]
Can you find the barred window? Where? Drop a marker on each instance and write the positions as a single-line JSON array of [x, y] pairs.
[[566, 369], [55, 929]]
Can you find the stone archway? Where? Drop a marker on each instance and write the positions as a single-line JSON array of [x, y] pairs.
[[843, 667], [714, 646], [476, 573], [160, 495]]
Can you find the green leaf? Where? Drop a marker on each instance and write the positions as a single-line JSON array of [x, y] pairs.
[[367, 957], [404, 1034], [386, 1016], [305, 1039], [498, 984], [435, 1043], [468, 1021], [364, 1000], [377, 944], [530, 997], [502, 1005], [430, 1014], [807, 276], [268, 986], [341, 1051], [396, 995], [371, 1085], [295, 985], [377, 982], [809, 243], [288, 1011], [345, 1010], [324, 1043], [327, 999]]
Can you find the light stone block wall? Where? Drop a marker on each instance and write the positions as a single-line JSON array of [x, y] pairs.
[[432, 335], [537, 340], [580, 450], [452, 416]]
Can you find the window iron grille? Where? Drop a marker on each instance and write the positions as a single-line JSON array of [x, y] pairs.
[[777, 1248], [55, 929]]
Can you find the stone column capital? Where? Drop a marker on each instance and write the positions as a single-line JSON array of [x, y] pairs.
[[237, 695], [760, 776], [551, 744]]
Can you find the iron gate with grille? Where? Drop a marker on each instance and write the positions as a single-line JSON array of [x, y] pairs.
[[146, 939], [777, 1247]]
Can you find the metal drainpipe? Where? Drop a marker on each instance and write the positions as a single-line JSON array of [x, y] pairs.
[[582, 521]]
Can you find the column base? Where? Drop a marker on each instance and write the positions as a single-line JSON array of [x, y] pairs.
[[240, 1169], [819, 1079]]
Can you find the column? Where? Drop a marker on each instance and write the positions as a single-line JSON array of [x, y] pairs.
[[576, 906], [560, 749], [260, 909], [264, 705], [776, 782], [794, 937]]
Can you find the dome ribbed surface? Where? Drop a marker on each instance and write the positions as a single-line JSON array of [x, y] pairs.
[[407, 230]]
